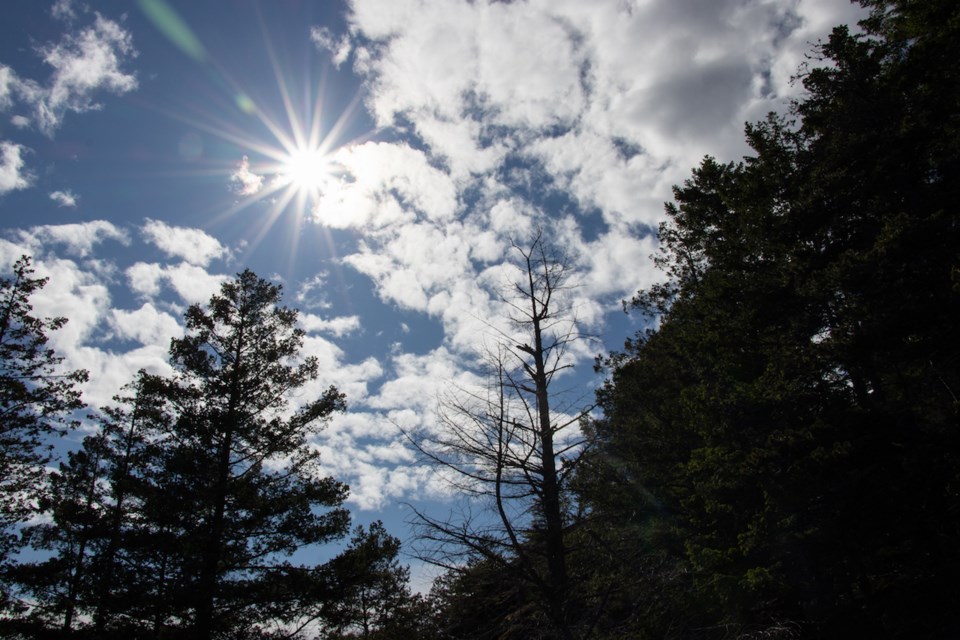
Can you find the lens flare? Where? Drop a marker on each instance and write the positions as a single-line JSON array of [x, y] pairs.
[[288, 145]]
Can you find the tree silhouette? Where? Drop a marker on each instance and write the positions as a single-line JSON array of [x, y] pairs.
[[36, 400], [509, 449]]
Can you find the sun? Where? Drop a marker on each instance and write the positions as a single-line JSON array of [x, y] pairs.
[[306, 170]]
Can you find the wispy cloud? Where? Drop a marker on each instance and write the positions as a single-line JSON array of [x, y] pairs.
[[64, 198], [84, 63], [8, 84], [339, 48], [245, 182], [63, 10], [312, 293]]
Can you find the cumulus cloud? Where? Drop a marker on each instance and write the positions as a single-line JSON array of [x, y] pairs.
[[338, 327], [574, 118], [78, 239], [244, 181], [13, 175], [193, 245], [571, 88], [515, 105], [390, 184], [82, 287], [64, 198], [146, 325], [192, 283]]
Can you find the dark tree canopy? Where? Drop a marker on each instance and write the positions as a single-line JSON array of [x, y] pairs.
[[789, 432]]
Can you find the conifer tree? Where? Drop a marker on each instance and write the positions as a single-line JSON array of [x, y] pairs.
[[240, 460], [792, 422], [36, 400]]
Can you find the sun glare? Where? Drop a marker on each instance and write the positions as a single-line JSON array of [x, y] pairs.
[[297, 168], [306, 169]]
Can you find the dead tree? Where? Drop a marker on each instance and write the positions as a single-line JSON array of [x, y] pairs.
[[507, 449]]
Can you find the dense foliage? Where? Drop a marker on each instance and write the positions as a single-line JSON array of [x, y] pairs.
[[788, 435]]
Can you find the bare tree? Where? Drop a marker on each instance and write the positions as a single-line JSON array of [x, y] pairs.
[[507, 449]]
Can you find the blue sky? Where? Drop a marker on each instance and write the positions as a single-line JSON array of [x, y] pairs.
[[377, 157]]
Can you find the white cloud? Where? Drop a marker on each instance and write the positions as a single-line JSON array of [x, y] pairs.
[[84, 63], [8, 83], [64, 198], [325, 41], [606, 103], [145, 278], [418, 381], [245, 182], [13, 176], [390, 184], [193, 245], [368, 451], [63, 10], [74, 293], [78, 239], [573, 85], [192, 283], [311, 294], [110, 370], [338, 327], [147, 325], [20, 122]]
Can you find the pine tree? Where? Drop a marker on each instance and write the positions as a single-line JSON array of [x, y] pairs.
[[794, 416], [241, 462], [97, 529], [372, 599], [36, 399]]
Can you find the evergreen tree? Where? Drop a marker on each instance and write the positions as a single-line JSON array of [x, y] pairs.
[[36, 399], [790, 428], [98, 535], [239, 461], [372, 599], [60, 586], [179, 516]]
